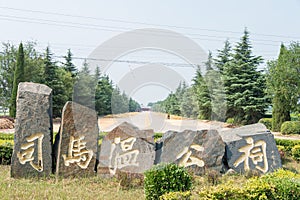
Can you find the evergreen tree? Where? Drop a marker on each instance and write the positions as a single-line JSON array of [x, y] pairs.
[[7, 67], [223, 57], [18, 77], [84, 87], [244, 85], [103, 94], [202, 95], [283, 84], [134, 106], [68, 65], [209, 63], [189, 106]]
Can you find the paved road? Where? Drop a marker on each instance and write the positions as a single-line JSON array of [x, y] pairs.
[[158, 122]]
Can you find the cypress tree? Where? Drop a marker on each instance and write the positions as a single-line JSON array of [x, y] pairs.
[[244, 85], [18, 77]]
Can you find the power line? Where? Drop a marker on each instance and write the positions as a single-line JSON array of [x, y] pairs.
[[143, 23], [116, 29]]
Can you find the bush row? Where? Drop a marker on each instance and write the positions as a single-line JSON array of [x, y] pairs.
[[6, 136], [278, 185]]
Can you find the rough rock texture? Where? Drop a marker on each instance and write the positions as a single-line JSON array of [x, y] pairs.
[[32, 155], [199, 151], [79, 141], [126, 149], [251, 147]]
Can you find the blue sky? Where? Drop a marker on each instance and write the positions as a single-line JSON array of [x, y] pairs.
[[208, 23]]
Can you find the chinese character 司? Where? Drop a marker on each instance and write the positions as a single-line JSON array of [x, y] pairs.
[[256, 151], [77, 153], [128, 157], [187, 159], [28, 149]]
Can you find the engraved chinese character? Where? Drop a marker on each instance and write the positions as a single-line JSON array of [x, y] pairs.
[[128, 156], [78, 153], [187, 159], [28, 149], [256, 151]]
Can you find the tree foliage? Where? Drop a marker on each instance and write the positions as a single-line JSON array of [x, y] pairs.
[[18, 77], [283, 84]]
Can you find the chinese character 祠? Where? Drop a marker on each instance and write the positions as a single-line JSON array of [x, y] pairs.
[[187, 159], [28, 149], [77, 153], [128, 157], [256, 151]]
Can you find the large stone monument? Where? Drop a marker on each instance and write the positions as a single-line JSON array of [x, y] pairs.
[[32, 155], [76, 144], [251, 147], [199, 151], [128, 149]]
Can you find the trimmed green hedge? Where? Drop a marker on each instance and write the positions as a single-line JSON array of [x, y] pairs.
[[296, 152], [278, 185], [6, 136], [267, 122], [290, 127], [288, 144]]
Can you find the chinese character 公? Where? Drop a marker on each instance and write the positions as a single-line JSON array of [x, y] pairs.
[[188, 159], [28, 150]]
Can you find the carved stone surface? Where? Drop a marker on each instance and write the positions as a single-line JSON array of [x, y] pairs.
[[128, 149], [196, 150], [79, 140], [251, 147], [32, 155]]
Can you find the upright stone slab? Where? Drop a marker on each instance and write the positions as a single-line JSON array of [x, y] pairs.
[[32, 155], [251, 147], [197, 150], [77, 140], [128, 149]]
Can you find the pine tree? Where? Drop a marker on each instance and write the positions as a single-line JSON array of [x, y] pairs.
[[209, 63], [18, 77], [223, 57], [203, 96], [244, 85], [68, 65]]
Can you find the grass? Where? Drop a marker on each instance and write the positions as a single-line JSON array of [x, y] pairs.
[[82, 188], [96, 187]]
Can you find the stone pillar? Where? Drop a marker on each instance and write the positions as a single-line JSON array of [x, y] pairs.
[[199, 151], [126, 149], [32, 155], [77, 141], [251, 148]]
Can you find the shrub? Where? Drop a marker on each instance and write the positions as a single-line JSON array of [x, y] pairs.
[[6, 151], [267, 122], [176, 196], [157, 136], [166, 178], [230, 121], [288, 144], [281, 184], [296, 152], [290, 127]]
